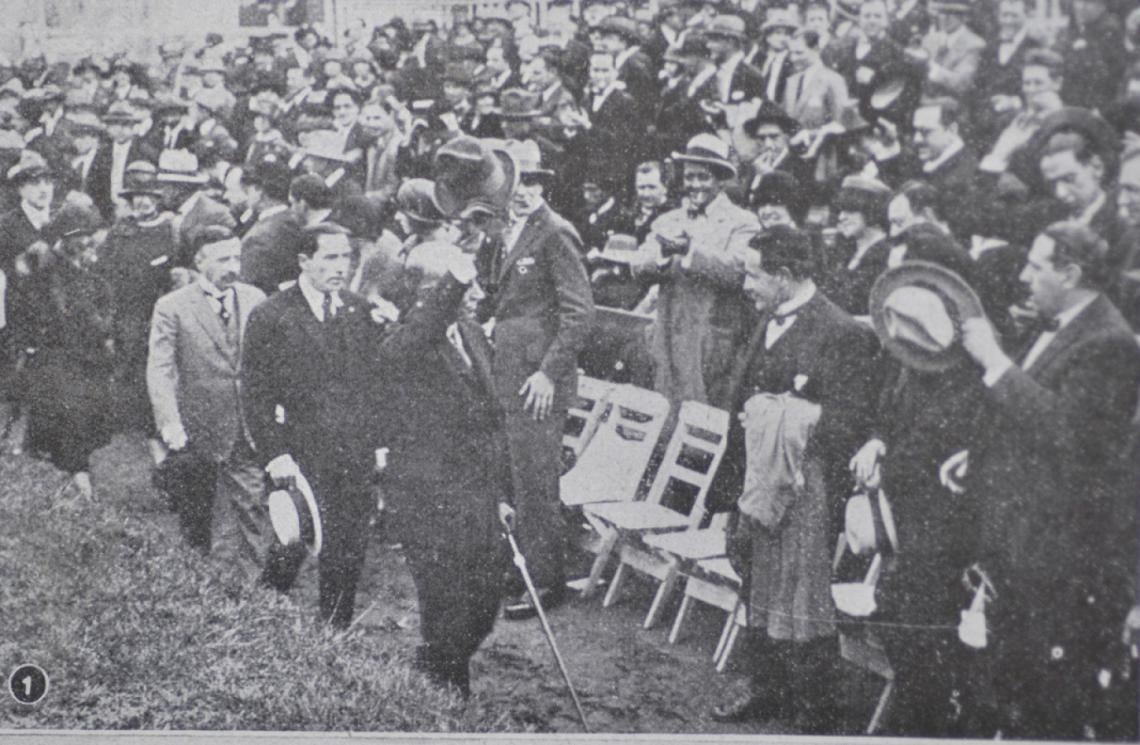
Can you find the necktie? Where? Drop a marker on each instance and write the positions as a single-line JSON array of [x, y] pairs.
[[696, 211], [223, 311], [800, 88], [327, 313]]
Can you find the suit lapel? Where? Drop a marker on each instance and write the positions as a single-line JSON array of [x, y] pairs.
[[526, 241], [305, 320], [207, 318], [1088, 320]]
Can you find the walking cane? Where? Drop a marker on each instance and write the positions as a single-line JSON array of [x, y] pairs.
[[507, 518]]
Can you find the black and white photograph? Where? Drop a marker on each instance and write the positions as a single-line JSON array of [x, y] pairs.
[[549, 370]]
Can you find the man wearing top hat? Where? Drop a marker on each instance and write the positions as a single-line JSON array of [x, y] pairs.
[[267, 256], [542, 310], [192, 379], [1048, 466]]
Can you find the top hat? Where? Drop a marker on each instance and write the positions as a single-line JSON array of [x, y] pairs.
[[466, 169], [708, 149], [416, 199], [295, 516], [780, 18], [770, 113], [516, 103], [917, 309], [726, 25], [30, 167], [120, 112], [527, 158]]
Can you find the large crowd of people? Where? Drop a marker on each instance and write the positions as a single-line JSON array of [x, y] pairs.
[[899, 242]]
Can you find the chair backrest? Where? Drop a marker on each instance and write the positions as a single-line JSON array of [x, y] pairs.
[[691, 460], [585, 413], [612, 464]]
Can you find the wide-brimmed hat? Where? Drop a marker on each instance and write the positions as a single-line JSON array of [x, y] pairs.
[[727, 25], [917, 309], [527, 158], [29, 167], [467, 169], [120, 112], [179, 166], [708, 149], [295, 516], [140, 177], [416, 199], [516, 103], [72, 219], [620, 26], [326, 144], [83, 122], [780, 18], [862, 194], [887, 93], [770, 113]]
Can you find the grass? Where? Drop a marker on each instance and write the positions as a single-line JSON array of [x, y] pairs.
[[136, 631]]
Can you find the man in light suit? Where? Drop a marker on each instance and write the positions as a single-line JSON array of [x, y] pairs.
[[954, 52], [815, 94], [543, 311], [192, 378]]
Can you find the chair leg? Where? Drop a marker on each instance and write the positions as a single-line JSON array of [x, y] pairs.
[[675, 632], [615, 583], [728, 646], [722, 642], [881, 708], [664, 590], [605, 550]]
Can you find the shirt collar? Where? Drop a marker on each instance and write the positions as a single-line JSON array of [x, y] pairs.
[[731, 63], [953, 149], [315, 298], [189, 203], [802, 297], [38, 218], [1089, 212], [620, 59], [551, 90], [210, 288], [1065, 317], [271, 211]]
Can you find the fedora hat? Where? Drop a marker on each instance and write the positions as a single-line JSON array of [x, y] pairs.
[[83, 122], [726, 25], [467, 168], [140, 177], [619, 26], [780, 18], [179, 166], [527, 158], [416, 199], [708, 149], [516, 103], [887, 93], [120, 112], [917, 310], [29, 167], [295, 516]]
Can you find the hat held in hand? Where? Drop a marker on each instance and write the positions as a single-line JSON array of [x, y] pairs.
[[295, 516]]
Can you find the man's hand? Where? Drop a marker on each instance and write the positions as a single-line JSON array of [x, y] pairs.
[[980, 342], [539, 392], [953, 471], [865, 464], [381, 455], [174, 436], [283, 471]]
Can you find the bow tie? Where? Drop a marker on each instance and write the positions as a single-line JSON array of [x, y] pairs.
[[695, 212]]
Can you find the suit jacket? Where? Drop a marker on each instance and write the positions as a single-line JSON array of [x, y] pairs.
[[639, 75], [776, 71], [193, 363], [267, 255], [825, 356], [953, 64], [884, 62], [1048, 463], [1094, 62], [98, 182], [815, 96], [543, 308], [677, 118], [955, 180]]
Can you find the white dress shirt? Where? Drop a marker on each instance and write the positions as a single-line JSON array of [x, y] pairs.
[[221, 300], [119, 153], [316, 299]]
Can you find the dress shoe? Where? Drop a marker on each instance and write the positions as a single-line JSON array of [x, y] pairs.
[[750, 707], [522, 608]]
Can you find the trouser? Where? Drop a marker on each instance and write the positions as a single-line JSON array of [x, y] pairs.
[[926, 664], [345, 505], [796, 680], [535, 450]]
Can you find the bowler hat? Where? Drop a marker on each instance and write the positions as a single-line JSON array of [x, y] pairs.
[[779, 188], [709, 150], [295, 516], [83, 122], [30, 167], [467, 168], [917, 309]]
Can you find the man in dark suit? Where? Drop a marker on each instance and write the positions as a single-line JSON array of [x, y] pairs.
[[268, 257], [106, 177], [543, 310], [192, 377], [802, 344], [447, 467], [310, 401], [621, 38], [1093, 48], [1048, 463], [730, 80]]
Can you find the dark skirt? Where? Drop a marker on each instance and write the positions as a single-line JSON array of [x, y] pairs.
[[69, 409]]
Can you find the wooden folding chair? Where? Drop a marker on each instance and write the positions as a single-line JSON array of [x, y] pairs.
[[690, 460], [585, 414], [713, 581]]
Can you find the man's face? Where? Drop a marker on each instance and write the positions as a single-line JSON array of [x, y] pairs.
[[777, 39], [799, 54], [601, 72], [454, 93], [1011, 19], [701, 185], [771, 215], [540, 74], [762, 288], [873, 19], [609, 43], [592, 195], [1036, 85], [295, 79], [363, 76], [931, 136], [816, 20], [720, 48], [86, 142], [327, 269], [650, 191], [38, 192], [374, 121], [900, 215], [1128, 197], [495, 61], [144, 206], [528, 194], [1047, 285], [851, 223], [1075, 184], [771, 139], [121, 132], [220, 262], [345, 111]]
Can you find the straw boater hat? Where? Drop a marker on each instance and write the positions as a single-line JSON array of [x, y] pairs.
[[140, 177], [30, 167], [179, 167], [467, 169], [710, 150], [917, 309], [83, 122], [295, 516]]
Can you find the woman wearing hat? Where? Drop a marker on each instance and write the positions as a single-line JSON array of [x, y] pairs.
[[69, 397], [861, 242]]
